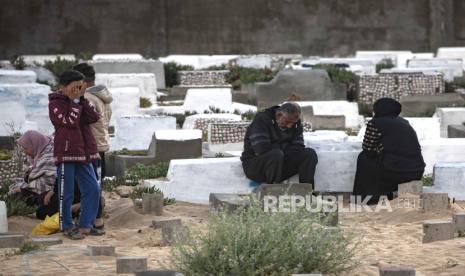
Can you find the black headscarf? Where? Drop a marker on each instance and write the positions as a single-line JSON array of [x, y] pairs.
[[387, 107]]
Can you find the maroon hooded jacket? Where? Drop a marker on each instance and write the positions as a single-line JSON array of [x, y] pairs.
[[73, 141]]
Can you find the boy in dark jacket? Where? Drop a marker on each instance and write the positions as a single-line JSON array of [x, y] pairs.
[[274, 148], [74, 150]]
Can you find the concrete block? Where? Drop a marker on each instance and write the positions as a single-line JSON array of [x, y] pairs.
[[456, 131], [450, 116], [47, 241], [176, 144], [152, 204], [449, 177], [126, 102], [327, 122], [228, 202], [378, 56], [128, 66], [307, 113], [101, 250], [200, 100], [459, 221], [397, 271], [412, 187], [157, 272], [3, 217], [130, 264], [438, 230], [11, 241], [117, 57], [308, 85], [122, 163], [17, 76], [335, 108], [159, 223], [425, 105], [434, 201], [169, 231]]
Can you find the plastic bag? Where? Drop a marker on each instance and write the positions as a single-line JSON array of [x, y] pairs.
[[49, 226]]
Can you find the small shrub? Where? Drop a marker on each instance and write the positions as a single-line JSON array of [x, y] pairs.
[[427, 180], [180, 118], [145, 102], [242, 75], [84, 56], [59, 65], [18, 62], [249, 115], [5, 155], [138, 192], [217, 67], [135, 174], [338, 75], [171, 72], [254, 242], [384, 64], [16, 205], [219, 155]]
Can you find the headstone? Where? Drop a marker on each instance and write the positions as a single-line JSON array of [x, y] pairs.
[[396, 271], [378, 56], [120, 66], [327, 122], [176, 144], [451, 52], [450, 116], [201, 100], [335, 108], [126, 102], [135, 132], [425, 105], [438, 230], [459, 221], [308, 85], [199, 61], [168, 233], [449, 177], [456, 131], [17, 76], [412, 187], [101, 250], [11, 241], [144, 81], [435, 201], [159, 223], [3, 218], [228, 202], [153, 204], [47, 241], [130, 264], [117, 57], [455, 64]]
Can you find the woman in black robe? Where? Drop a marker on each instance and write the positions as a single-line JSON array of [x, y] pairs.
[[391, 153]]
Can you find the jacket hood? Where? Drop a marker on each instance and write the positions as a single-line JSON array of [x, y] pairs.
[[101, 92]]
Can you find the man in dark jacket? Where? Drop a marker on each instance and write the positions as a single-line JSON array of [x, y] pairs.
[[274, 148]]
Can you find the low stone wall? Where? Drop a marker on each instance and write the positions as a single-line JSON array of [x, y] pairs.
[[202, 78], [395, 85]]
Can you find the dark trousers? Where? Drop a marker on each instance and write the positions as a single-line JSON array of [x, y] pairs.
[[276, 165]]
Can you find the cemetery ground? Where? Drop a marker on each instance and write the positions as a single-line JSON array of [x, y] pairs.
[[385, 238]]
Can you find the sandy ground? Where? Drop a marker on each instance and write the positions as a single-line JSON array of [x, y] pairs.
[[386, 238]]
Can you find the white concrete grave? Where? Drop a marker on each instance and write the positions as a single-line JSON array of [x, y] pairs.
[[451, 52], [24, 105], [426, 128], [117, 57], [17, 76], [178, 134], [135, 132], [145, 82], [447, 72], [201, 99], [125, 102], [256, 61], [442, 150], [199, 61], [450, 116], [378, 56], [449, 177], [348, 109], [454, 64], [41, 59], [402, 59], [357, 65]]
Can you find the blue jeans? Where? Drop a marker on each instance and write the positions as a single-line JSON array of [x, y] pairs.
[[84, 175]]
